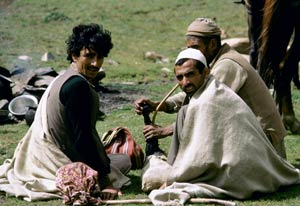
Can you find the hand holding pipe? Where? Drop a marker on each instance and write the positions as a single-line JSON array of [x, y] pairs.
[[152, 144]]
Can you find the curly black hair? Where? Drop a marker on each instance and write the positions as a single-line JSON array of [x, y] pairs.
[[91, 36]]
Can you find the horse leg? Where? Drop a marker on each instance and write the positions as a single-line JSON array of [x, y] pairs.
[[295, 64], [295, 50], [289, 70], [290, 65], [296, 80], [255, 18], [284, 99], [286, 107]]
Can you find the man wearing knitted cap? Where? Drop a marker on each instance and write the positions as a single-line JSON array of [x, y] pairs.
[[231, 68], [218, 149]]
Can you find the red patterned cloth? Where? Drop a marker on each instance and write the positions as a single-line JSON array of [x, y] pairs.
[[78, 184]]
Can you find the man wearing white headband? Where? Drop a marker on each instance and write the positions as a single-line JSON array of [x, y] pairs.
[[191, 70], [218, 148]]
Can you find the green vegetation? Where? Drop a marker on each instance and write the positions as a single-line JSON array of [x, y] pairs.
[[33, 27]]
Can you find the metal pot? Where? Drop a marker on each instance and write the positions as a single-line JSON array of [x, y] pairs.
[[21, 104]]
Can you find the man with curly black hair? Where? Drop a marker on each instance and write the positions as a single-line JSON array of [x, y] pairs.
[[64, 128]]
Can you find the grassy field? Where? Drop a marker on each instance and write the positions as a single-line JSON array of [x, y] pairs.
[[33, 27]]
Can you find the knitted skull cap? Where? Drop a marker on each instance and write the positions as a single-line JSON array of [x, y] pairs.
[[204, 27]]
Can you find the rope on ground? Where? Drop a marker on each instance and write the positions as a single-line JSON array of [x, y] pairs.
[[192, 200]]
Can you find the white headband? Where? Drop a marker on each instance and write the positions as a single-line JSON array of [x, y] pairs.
[[191, 54]]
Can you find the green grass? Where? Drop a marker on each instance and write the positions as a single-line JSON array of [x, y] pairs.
[[33, 27]]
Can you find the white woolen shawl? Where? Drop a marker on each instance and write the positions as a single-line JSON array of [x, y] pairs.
[[223, 153]]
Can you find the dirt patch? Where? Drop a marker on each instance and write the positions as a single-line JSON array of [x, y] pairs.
[[2, 197], [5, 3], [118, 96]]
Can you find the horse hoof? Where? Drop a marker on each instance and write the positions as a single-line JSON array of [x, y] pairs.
[[292, 124]]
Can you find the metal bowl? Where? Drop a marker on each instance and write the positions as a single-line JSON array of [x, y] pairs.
[[20, 104]]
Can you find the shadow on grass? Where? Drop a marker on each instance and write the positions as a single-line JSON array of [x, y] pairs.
[[135, 187], [9, 131], [297, 166], [283, 193]]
